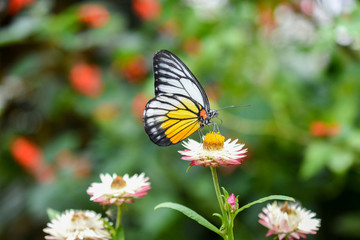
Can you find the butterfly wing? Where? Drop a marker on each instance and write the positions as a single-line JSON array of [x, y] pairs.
[[169, 118], [172, 76]]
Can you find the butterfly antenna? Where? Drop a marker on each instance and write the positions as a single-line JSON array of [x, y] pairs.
[[233, 106]]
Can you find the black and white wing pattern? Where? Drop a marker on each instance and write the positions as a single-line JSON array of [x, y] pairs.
[[180, 106], [173, 76]]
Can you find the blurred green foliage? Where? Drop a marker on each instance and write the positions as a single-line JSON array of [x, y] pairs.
[[295, 62]]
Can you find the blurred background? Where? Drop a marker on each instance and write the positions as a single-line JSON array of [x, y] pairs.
[[75, 76]]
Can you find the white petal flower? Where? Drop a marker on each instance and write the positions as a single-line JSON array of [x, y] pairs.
[[213, 151], [77, 225], [117, 190], [288, 220]]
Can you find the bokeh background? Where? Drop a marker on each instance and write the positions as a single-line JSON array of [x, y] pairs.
[[75, 76]]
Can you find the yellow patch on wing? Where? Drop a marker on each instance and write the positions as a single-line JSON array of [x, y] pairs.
[[174, 129], [185, 132], [169, 123], [189, 104], [181, 114]]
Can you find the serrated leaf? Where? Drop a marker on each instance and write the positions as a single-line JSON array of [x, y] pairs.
[[264, 199], [191, 214], [52, 213]]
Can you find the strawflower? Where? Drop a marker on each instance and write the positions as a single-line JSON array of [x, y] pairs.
[[117, 190], [288, 221], [77, 224], [213, 151]]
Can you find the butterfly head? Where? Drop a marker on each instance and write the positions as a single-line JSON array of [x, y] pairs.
[[212, 114], [207, 116]]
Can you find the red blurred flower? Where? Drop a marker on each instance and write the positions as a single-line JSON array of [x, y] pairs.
[[138, 105], [16, 5], [147, 9], [86, 79], [192, 45], [318, 129], [134, 69], [94, 15], [27, 154], [322, 129]]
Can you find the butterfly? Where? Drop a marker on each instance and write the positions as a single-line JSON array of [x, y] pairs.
[[180, 106]]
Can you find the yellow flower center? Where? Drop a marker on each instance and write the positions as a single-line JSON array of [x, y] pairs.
[[118, 183], [78, 217], [213, 141], [285, 208]]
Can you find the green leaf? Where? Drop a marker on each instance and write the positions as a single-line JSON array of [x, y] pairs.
[[316, 157], [52, 213], [341, 161], [226, 194], [219, 216], [119, 234], [264, 199], [189, 213]]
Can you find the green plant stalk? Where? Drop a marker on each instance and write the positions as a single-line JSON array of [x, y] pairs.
[[228, 234], [119, 231], [118, 216]]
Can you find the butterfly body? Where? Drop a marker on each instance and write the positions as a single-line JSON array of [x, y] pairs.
[[180, 106]]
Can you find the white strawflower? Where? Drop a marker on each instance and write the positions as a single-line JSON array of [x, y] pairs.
[[77, 225], [288, 220]]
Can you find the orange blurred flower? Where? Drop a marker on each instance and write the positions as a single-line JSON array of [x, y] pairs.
[[138, 105], [106, 111], [134, 69], [86, 79], [27, 154], [322, 129], [94, 15], [147, 9], [16, 5], [192, 45]]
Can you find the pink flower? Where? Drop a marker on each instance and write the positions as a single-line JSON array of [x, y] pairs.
[[232, 201], [213, 151], [117, 190], [288, 221]]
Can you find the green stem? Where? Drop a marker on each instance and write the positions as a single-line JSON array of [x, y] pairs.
[[118, 216], [227, 219], [119, 230]]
